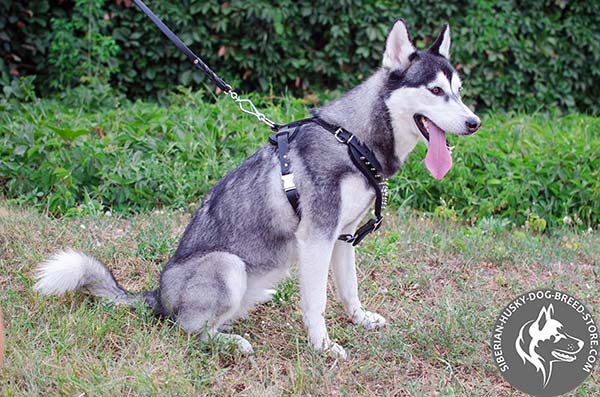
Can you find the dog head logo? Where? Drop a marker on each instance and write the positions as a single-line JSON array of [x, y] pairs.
[[543, 342]]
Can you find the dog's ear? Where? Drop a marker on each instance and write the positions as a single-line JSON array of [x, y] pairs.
[[544, 316], [441, 45], [398, 47]]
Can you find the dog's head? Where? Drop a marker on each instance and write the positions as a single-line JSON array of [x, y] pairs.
[[424, 95], [543, 342]]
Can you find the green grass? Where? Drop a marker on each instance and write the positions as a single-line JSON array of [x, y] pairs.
[[440, 284], [91, 152]]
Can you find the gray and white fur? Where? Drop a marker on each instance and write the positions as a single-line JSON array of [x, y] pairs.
[[245, 236]]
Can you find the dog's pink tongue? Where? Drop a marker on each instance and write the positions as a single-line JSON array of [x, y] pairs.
[[438, 159]]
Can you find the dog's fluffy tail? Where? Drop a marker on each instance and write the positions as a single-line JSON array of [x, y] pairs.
[[71, 270]]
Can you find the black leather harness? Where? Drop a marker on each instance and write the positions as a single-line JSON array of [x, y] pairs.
[[362, 157]]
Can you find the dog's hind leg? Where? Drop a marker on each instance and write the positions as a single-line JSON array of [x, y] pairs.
[[344, 275], [260, 288], [251, 299], [205, 293]]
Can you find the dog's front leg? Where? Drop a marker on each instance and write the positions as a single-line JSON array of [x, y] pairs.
[[344, 275], [314, 255]]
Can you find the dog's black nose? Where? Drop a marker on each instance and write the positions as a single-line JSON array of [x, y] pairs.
[[473, 124]]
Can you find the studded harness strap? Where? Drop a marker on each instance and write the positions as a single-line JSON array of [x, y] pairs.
[[362, 157]]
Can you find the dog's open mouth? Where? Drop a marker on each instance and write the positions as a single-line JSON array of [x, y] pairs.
[[439, 154], [561, 355]]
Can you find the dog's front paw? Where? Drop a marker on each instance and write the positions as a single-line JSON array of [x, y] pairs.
[[369, 320], [336, 350], [243, 346], [266, 295]]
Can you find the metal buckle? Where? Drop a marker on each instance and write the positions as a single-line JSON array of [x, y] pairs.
[[341, 140], [337, 135], [288, 182]]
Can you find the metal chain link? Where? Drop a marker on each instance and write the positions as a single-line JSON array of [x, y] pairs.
[[252, 110]]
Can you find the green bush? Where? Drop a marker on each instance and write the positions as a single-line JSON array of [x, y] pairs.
[[79, 51], [24, 39], [135, 156], [527, 55]]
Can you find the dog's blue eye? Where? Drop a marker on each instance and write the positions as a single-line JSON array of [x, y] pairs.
[[436, 91]]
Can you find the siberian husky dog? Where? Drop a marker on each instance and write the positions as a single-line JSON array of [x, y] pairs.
[[245, 235]]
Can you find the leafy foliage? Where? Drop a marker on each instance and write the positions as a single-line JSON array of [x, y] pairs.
[[24, 39], [79, 51], [78, 155], [527, 55]]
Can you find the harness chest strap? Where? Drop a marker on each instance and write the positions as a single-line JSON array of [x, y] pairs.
[[362, 158], [281, 140]]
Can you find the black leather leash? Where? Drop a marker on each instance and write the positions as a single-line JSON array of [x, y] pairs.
[[245, 105], [198, 63], [362, 157]]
